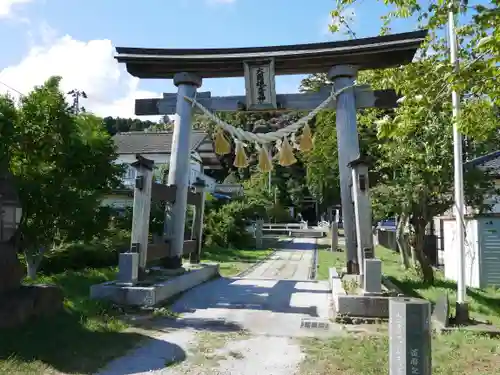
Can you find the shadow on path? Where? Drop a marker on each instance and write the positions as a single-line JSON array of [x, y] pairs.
[[154, 355], [199, 324], [265, 295]]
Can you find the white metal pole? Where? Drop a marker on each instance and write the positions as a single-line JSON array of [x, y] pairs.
[[458, 166]]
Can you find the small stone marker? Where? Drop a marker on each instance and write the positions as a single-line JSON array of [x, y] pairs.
[[258, 233], [409, 337], [441, 312], [372, 278], [334, 230], [128, 268], [368, 252]]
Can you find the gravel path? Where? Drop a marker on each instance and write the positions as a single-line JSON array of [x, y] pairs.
[[240, 326]]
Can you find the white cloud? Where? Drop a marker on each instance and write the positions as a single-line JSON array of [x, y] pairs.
[[87, 66], [7, 5]]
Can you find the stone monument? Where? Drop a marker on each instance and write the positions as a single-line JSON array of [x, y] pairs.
[[409, 337]]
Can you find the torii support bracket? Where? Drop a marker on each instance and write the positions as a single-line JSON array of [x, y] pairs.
[[365, 98]]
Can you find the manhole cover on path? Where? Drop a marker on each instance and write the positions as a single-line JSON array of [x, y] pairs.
[[314, 324]]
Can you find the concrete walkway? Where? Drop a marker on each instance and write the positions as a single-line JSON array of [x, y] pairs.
[[240, 326]]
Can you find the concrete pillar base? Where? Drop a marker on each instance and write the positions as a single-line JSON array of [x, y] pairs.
[[172, 262], [462, 316]]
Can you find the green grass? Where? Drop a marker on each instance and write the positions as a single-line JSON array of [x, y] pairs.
[[459, 352], [328, 259], [456, 353], [234, 261], [79, 340], [484, 303]]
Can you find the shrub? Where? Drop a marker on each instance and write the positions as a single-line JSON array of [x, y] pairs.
[[279, 214], [226, 225], [98, 253]]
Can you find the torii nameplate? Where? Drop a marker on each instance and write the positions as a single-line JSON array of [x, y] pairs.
[[365, 98], [260, 85]]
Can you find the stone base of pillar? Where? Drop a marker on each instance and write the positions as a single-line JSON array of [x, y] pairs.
[[172, 263], [194, 258], [142, 274], [352, 268], [462, 313]]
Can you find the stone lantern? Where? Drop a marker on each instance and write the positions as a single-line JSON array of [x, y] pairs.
[[362, 209], [199, 187], [11, 270], [18, 302]]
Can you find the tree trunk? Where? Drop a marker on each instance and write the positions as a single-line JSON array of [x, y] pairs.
[[402, 241], [425, 266], [33, 260], [31, 268]]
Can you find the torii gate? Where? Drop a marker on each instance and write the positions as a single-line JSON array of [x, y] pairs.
[[341, 60]]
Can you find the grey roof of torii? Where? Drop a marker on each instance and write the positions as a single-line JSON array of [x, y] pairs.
[[366, 53]]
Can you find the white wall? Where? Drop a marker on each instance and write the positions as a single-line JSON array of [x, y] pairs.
[[117, 202], [196, 169], [471, 252]]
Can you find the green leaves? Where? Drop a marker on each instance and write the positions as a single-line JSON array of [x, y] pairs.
[[62, 164]]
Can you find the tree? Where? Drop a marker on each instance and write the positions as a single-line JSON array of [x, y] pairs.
[[415, 141], [118, 125], [416, 145], [322, 160], [62, 164]]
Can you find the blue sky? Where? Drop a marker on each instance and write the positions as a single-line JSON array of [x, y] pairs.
[[176, 24]]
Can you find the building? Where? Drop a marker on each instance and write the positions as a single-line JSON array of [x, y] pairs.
[[157, 146], [490, 163], [445, 224]]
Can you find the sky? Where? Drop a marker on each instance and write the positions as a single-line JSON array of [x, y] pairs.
[[76, 40]]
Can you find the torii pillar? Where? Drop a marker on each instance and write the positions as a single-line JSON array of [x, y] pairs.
[[348, 150], [178, 174]]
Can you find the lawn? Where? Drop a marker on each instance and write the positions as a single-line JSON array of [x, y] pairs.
[[79, 340], [234, 261], [484, 303], [88, 334], [328, 259], [459, 352]]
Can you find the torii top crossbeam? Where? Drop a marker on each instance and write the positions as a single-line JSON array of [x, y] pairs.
[[367, 53]]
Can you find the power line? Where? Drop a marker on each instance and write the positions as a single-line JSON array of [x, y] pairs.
[[11, 88]]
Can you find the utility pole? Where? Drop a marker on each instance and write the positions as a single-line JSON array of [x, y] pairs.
[[462, 311], [76, 94]]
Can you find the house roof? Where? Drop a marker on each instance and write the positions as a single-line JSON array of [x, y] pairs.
[[367, 53], [161, 143], [490, 162]]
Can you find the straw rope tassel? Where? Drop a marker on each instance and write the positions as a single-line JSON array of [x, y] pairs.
[[240, 160], [306, 143], [222, 145], [265, 164], [286, 154]]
